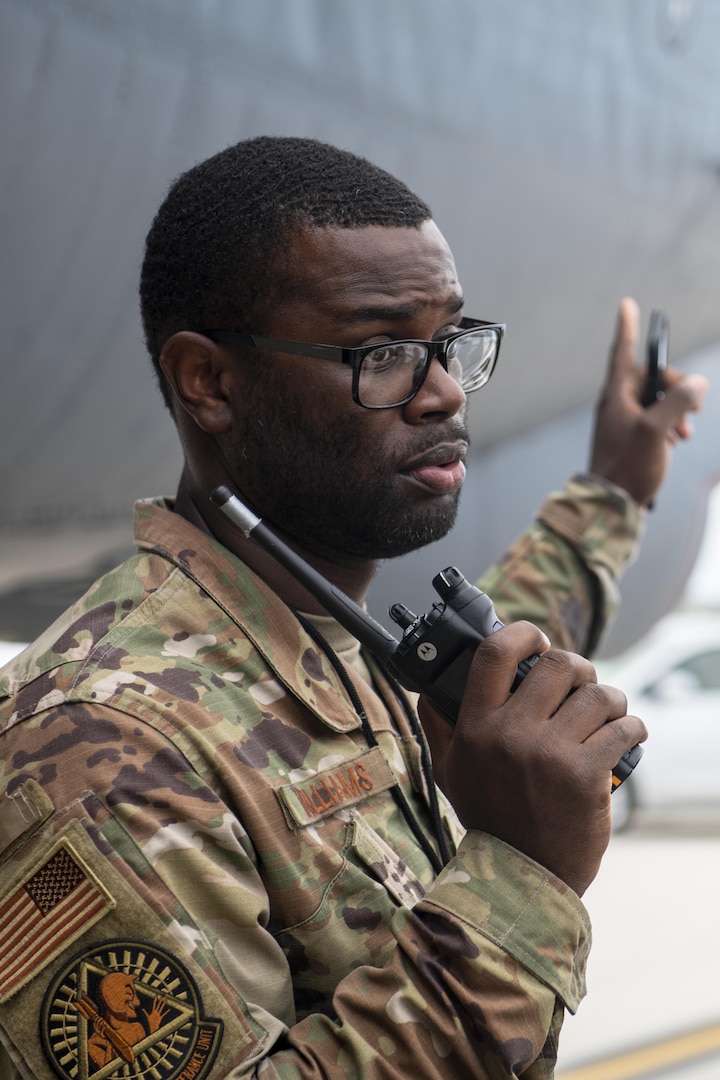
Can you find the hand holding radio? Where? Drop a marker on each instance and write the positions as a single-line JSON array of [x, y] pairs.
[[531, 767], [437, 649]]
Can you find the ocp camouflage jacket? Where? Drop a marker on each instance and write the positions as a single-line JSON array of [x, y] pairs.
[[204, 867]]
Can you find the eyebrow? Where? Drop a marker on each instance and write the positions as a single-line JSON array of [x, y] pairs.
[[395, 313]]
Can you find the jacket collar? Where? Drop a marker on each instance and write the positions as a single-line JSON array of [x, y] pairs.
[[259, 612]]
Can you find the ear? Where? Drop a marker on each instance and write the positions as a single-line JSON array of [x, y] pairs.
[[200, 376]]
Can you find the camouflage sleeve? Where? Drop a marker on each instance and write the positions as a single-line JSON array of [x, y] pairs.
[[175, 926], [563, 572], [476, 987]]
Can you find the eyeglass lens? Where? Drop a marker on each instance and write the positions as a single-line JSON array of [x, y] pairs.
[[392, 373]]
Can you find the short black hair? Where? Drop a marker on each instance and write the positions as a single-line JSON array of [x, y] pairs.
[[211, 252]]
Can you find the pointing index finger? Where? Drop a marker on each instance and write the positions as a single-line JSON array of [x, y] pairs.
[[623, 354]]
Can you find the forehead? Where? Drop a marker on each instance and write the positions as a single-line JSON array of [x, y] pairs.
[[342, 273]]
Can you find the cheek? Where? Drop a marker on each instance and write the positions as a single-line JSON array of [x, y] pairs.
[[304, 413], [324, 410], [312, 389], [327, 394]]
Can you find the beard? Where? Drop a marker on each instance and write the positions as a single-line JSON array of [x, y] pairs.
[[322, 482]]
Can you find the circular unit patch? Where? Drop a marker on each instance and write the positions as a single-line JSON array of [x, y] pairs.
[[127, 1008]]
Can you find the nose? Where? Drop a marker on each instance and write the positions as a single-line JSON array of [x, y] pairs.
[[439, 397]]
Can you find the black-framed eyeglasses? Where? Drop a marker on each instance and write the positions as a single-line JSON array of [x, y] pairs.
[[391, 373]]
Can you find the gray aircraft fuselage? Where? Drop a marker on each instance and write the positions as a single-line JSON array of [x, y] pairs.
[[570, 152]]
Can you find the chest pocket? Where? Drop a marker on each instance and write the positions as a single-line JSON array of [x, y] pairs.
[[383, 861], [349, 917]]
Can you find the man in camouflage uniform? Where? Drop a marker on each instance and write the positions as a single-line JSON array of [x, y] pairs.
[[214, 805]]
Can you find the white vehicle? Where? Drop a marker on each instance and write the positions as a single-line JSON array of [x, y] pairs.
[[672, 681]]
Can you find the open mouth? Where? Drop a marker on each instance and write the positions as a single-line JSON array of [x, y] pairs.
[[441, 469]]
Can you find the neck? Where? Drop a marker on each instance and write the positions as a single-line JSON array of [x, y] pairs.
[[352, 576]]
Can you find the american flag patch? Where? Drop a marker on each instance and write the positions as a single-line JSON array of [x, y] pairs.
[[57, 901]]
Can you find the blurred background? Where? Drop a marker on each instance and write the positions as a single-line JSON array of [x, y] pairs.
[[570, 150]]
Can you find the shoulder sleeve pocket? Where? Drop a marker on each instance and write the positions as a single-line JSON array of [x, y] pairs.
[[93, 981]]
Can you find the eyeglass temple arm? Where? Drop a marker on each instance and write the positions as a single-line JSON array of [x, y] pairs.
[[296, 348]]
